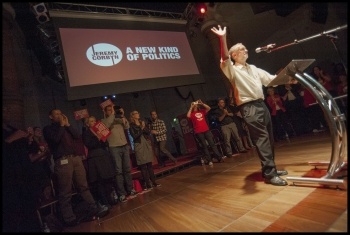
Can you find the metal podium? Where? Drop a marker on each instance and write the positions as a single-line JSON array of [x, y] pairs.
[[335, 119]]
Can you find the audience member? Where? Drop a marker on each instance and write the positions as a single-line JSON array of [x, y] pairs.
[[143, 149], [20, 197], [202, 131], [120, 150], [313, 111], [40, 140], [241, 125], [338, 69], [69, 168], [158, 130], [224, 115], [342, 90], [40, 157], [324, 78], [278, 115], [176, 138], [101, 173], [293, 101]]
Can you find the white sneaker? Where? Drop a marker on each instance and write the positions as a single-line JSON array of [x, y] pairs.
[[210, 163]]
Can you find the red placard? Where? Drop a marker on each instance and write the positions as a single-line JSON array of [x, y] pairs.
[[106, 103], [100, 129], [79, 114]]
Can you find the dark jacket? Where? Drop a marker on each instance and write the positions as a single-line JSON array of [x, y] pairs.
[[94, 145], [136, 132]]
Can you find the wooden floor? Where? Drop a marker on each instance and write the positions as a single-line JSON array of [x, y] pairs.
[[232, 197]]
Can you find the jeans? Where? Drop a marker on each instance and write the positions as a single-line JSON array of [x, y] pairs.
[[122, 162]]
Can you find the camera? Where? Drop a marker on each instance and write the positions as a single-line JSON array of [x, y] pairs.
[[118, 112]]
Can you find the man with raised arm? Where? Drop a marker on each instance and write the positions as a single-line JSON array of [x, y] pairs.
[[247, 81]]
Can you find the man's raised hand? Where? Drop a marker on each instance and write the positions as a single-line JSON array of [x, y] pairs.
[[219, 31]]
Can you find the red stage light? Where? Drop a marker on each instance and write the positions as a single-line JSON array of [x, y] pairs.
[[201, 8]]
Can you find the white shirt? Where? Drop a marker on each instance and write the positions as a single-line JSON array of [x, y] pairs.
[[247, 81]]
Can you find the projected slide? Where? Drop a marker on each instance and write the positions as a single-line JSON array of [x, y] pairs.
[[95, 56]]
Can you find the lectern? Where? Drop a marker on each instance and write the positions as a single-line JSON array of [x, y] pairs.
[[335, 119]]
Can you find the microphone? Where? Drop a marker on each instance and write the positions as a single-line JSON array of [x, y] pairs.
[[265, 48], [332, 36]]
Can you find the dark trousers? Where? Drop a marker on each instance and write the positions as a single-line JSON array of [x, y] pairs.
[[67, 170], [178, 146], [148, 174], [205, 137], [258, 120]]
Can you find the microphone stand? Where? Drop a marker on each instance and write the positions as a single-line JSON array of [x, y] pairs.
[[336, 49], [326, 33]]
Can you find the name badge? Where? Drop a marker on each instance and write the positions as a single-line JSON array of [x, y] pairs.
[[64, 161]]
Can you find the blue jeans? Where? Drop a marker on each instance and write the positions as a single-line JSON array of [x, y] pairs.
[[121, 159]]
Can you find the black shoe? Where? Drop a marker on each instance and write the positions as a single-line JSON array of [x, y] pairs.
[[98, 211], [133, 193], [71, 223], [102, 211], [243, 151], [222, 159], [156, 185], [276, 180], [122, 198], [147, 187], [282, 172]]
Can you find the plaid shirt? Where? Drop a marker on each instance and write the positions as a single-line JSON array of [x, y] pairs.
[[159, 126]]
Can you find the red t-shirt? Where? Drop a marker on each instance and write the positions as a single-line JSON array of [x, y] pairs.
[[199, 122], [308, 98]]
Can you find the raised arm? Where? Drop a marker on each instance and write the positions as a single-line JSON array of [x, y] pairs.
[[221, 32], [190, 110], [207, 107]]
